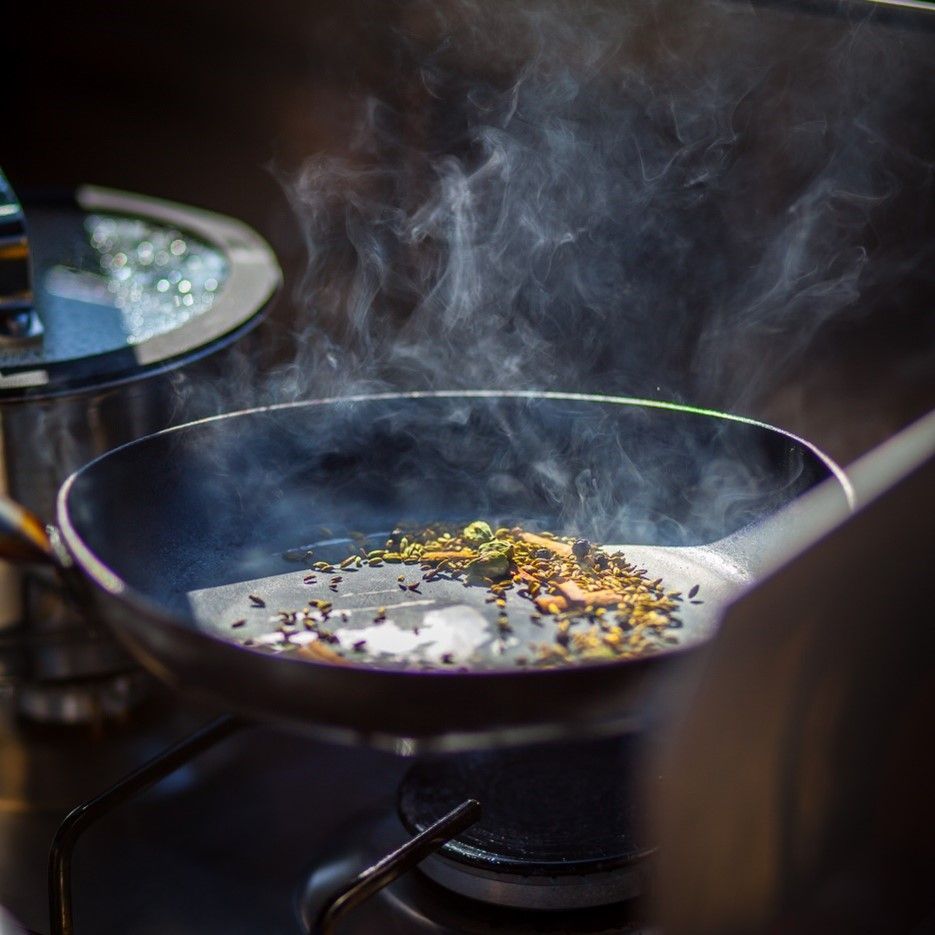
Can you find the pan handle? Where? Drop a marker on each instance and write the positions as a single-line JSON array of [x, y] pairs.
[[24, 538]]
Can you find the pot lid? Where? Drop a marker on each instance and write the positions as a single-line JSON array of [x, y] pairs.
[[102, 287]]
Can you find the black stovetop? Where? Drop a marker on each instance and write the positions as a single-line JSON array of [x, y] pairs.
[[229, 842], [220, 846]]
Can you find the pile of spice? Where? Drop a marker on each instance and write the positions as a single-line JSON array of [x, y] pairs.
[[604, 607], [589, 604]]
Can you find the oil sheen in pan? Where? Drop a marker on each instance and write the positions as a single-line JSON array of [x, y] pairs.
[[378, 621]]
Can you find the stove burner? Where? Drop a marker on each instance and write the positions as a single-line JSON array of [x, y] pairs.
[[415, 905], [519, 862], [559, 829]]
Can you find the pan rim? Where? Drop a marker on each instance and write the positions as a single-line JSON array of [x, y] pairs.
[[636, 401], [136, 601]]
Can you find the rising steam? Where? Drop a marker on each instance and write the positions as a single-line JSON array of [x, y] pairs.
[[640, 198]]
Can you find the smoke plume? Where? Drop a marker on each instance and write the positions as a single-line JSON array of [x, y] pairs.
[[635, 198]]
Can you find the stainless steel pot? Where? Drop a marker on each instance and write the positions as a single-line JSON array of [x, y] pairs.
[[106, 298]]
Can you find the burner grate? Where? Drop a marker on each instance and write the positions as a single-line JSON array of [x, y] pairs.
[[560, 829]]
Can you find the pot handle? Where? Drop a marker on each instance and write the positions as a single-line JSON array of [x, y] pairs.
[[23, 537], [19, 322]]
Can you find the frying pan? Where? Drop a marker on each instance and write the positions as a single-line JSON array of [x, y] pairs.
[[167, 537]]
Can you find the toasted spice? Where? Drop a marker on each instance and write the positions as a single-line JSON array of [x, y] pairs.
[[590, 605], [321, 652], [569, 579]]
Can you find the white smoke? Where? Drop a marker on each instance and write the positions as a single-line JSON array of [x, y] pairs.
[[640, 198]]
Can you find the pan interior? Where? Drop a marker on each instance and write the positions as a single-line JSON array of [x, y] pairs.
[[198, 518], [378, 620]]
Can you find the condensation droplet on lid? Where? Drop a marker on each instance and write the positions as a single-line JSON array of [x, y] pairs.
[[157, 278]]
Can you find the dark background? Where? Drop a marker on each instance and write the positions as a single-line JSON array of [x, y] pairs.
[[197, 102]]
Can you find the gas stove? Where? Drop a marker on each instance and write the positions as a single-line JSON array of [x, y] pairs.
[[258, 830], [199, 822]]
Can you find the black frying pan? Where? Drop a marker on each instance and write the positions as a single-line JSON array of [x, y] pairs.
[[176, 529]]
